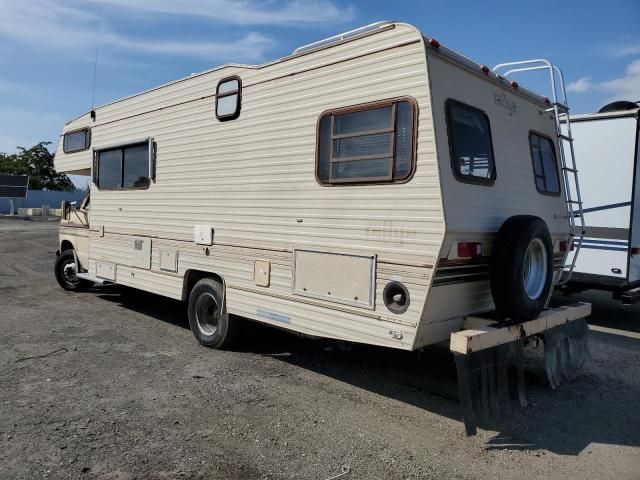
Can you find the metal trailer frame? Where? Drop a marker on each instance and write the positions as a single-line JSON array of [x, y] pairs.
[[484, 350]]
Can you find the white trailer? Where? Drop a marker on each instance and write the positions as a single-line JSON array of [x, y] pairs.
[[606, 145], [373, 187]]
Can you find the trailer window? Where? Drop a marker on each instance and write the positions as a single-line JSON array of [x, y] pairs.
[[545, 166], [123, 167], [470, 143], [76, 141], [368, 143], [228, 95]]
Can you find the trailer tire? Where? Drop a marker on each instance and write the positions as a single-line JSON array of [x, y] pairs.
[[521, 268], [65, 270], [210, 323]]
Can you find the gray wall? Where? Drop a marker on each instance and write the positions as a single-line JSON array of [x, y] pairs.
[[37, 198]]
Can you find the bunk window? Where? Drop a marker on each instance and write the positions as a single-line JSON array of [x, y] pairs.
[[545, 166], [228, 97], [470, 143], [367, 143], [123, 167], [76, 141]]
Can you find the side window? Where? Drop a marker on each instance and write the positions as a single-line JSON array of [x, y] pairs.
[[545, 166], [128, 166], [470, 143], [228, 98], [76, 141], [368, 143]]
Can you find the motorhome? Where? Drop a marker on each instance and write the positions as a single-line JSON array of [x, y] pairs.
[[607, 144], [373, 187]]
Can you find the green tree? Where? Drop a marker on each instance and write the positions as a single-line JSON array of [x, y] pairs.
[[37, 162]]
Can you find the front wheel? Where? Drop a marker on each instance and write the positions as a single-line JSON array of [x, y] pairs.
[[66, 271], [210, 323]]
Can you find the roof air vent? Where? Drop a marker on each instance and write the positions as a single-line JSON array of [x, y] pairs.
[[618, 106]]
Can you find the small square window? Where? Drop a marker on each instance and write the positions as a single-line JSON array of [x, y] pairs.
[[545, 166], [76, 141], [470, 143], [228, 97]]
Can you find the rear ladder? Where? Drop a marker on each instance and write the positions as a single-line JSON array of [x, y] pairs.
[[560, 109]]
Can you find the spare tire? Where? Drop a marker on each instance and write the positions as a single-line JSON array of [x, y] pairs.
[[521, 268]]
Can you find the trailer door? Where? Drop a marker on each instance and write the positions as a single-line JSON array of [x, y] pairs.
[[605, 155]]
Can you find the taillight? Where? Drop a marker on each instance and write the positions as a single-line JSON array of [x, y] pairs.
[[469, 249], [635, 250], [566, 246]]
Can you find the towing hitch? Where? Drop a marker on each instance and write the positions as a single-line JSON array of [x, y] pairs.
[[487, 353]]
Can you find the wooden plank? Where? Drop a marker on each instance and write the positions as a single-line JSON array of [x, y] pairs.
[[479, 335]]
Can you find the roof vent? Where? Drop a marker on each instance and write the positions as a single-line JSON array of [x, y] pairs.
[[618, 106]]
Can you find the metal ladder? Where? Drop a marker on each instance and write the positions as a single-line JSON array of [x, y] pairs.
[[560, 109]]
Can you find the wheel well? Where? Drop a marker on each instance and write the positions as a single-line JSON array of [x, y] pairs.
[[66, 245], [192, 277]]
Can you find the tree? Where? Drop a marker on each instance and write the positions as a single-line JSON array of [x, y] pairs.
[[37, 162]]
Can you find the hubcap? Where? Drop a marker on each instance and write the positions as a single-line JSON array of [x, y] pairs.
[[534, 275], [207, 314], [69, 271]]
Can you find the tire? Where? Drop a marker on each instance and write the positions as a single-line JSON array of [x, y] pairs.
[[521, 268], [65, 270], [210, 323]]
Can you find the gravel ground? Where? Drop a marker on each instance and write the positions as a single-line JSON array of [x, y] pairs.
[[110, 384]]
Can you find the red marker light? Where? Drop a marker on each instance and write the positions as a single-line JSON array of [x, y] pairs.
[[485, 69], [635, 250], [566, 246], [469, 249], [434, 43], [514, 84]]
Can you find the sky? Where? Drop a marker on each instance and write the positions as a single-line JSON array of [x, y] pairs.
[[48, 47]]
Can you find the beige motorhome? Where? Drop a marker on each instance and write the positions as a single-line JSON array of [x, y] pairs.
[[351, 190], [373, 187]]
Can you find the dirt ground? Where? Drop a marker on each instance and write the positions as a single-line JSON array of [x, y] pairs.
[[110, 384]]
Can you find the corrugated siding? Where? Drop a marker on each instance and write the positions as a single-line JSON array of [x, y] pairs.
[[474, 212], [477, 208], [253, 180]]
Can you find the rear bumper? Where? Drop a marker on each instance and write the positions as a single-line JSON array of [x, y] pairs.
[[585, 281]]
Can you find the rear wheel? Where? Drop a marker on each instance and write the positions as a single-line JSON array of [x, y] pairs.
[[66, 270], [521, 268], [210, 323]]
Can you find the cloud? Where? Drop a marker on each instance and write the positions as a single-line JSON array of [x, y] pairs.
[[623, 48], [626, 87], [580, 86], [250, 47], [74, 25], [247, 12]]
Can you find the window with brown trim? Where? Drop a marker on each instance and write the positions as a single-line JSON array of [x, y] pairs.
[[545, 166], [228, 98], [76, 141], [470, 143], [368, 143]]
